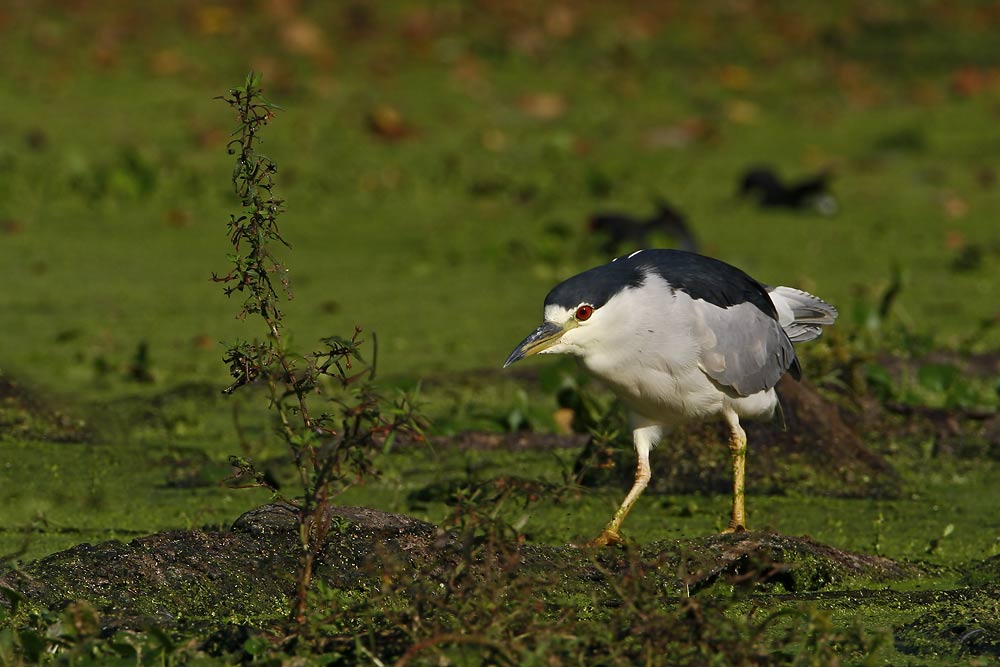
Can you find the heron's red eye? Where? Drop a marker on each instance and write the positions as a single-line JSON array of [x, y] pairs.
[[584, 312]]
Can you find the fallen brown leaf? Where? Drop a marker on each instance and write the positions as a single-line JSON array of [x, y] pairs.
[[955, 207], [387, 123], [213, 19], [680, 135], [166, 62], [304, 37], [544, 106]]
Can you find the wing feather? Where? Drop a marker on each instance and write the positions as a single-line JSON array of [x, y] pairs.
[[742, 348]]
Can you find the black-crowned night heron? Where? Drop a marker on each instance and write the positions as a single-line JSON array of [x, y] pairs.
[[679, 336]]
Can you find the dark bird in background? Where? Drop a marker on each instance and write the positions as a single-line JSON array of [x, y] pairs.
[[621, 228], [762, 184]]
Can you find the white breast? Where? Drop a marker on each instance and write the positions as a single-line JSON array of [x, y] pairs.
[[651, 358]]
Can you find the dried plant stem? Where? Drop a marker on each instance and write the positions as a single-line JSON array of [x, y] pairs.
[[329, 449]]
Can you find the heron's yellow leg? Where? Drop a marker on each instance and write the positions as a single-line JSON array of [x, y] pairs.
[[738, 451], [645, 439], [610, 535]]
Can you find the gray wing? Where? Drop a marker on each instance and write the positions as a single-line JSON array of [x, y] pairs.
[[741, 347]]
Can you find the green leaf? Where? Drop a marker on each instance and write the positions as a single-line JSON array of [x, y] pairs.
[[938, 377], [14, 597], [256, 646], [33, 645], [879, 381]]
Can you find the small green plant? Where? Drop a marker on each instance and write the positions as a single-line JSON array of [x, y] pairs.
[[74, 636], [331, 448], [492, 602]]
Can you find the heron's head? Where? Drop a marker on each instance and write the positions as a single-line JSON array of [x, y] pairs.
[[584, 314]]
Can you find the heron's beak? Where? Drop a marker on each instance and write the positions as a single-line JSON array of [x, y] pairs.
[[539, 340]]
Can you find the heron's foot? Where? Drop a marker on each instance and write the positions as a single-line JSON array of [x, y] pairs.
[[734, 528], [607, 538]]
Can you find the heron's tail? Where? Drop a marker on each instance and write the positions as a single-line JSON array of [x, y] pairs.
[[801, 314]]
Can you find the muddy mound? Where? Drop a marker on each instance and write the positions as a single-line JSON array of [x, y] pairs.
[[968, 623], [181, 577], [773, 561], [246, 574], [817, 452]]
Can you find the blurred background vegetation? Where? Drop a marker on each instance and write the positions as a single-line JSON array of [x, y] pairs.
[[441, 159]]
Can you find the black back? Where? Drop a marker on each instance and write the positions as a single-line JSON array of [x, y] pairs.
[[699, 277]]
